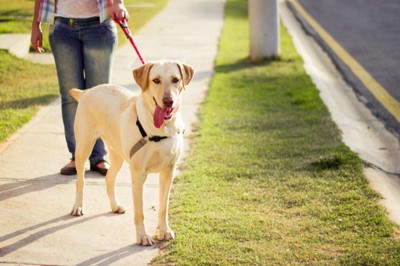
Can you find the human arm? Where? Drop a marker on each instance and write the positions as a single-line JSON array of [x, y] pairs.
[[36, 34]]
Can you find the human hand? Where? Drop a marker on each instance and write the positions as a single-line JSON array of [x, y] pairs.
[[120, 11], [37, 37]]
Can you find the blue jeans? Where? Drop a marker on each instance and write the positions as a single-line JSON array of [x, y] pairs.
[[83, 51]]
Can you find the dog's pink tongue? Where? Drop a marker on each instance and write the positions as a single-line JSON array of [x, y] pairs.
[[159, 115]]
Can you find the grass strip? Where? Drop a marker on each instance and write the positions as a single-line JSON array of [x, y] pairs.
[[25, 86], [268, 180]]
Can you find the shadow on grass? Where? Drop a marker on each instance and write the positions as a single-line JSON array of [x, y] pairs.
[[16, 14], [27, 102], [245, 63]]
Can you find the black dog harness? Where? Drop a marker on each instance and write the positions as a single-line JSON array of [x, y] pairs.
[[144, 139]]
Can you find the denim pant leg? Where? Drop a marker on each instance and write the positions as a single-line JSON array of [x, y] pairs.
[[99, 44], [83, 57], [67, 51]]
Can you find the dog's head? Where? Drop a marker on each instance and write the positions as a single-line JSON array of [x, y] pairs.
[[162, 83]]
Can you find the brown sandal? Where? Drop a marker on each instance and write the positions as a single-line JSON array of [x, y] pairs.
[[68, 170], [95, 168]]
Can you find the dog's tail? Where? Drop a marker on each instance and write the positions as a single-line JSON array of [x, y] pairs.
[[76, 93]]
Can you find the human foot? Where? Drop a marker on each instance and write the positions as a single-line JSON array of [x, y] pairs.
[[69, 169]]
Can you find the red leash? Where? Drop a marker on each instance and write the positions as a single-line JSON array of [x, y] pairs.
[[124, 26], [125, 29]]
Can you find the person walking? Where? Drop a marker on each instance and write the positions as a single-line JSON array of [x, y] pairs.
[[83, 39]]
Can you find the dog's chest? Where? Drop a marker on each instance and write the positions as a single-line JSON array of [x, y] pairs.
[[158, 155]]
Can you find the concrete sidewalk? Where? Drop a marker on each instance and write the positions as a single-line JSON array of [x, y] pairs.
[[35, 225]]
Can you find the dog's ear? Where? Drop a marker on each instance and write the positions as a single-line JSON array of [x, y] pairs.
[[141, 75], [187, 73]]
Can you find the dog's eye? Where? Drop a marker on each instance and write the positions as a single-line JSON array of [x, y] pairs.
[[175, 80], [157, 81]]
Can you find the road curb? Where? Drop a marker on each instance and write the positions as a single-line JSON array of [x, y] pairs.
[[363, 133], [349, 76]]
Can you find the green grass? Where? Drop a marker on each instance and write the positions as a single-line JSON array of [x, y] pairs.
[[25, 86], [16, 16], [268, 180]]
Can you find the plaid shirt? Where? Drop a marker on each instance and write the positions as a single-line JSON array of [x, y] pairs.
[[48, 7]]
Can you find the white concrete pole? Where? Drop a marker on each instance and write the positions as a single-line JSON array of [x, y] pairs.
[[264, 29]]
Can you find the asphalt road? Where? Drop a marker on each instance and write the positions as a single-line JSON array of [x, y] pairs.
[[369, 31]]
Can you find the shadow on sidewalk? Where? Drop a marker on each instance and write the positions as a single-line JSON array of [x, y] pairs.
[[52, 226], [66, 220], [116, 255], [17, 188]]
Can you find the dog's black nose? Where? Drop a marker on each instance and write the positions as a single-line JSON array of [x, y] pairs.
[[168, 102]]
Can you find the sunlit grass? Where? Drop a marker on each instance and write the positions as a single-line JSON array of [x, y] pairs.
[[268, 180], [24, 87]]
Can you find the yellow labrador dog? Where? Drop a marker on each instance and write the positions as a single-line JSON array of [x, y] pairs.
[[145, 130]]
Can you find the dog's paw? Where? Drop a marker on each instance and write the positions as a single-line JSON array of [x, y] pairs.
[[145, 240], [118, 209], [166, 235], [77, 211]]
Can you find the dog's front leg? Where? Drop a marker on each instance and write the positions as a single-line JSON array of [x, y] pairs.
[[142, 237], [166, 178], [77, 209], [116, 163]]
